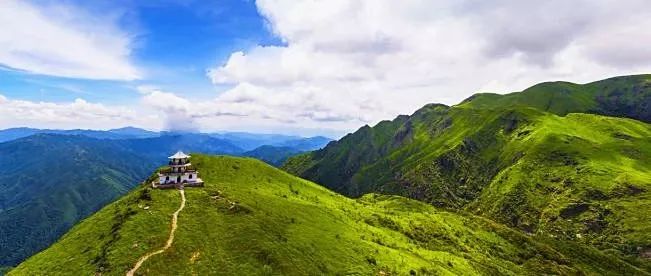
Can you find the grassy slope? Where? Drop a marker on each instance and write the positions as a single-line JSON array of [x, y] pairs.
[[285, 225], [625, 96], [581, 174], [505, 158]]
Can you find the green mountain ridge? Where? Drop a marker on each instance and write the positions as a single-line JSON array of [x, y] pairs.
[[624, 96], [535, 160], [252, 219], [48, 183]]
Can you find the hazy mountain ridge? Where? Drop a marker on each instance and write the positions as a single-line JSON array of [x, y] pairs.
[[243, 140], [121, 133], [277, 154], [274, 155]]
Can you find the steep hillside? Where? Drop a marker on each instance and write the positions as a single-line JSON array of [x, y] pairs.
[[577, 177], [49, 182], [254, 219]]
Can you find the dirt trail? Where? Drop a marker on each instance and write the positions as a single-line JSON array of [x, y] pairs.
[[170, 239]]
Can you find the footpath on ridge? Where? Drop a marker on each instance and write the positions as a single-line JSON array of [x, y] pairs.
[[170, 239]]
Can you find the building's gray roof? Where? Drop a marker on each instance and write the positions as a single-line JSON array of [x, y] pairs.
[[179, 155]]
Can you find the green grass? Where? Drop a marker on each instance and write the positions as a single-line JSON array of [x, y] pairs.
[[283, 225], [581, 174], [625, 96], [525, 159]]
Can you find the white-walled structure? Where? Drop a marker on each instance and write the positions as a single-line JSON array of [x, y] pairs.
[[179, 173]]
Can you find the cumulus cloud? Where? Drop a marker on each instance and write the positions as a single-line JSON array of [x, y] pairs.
[[251, 108], [356, 62], [80, 113], [351, 63], [64, 41], [176, 110]]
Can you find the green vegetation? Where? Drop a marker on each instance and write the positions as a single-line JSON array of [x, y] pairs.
[[4, 270], [555, 179], [252, 219], [524, 159], [50, 182], [272, 154], [626, 96]]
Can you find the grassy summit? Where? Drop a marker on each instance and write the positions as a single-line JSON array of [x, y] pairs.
[[624, 96], [254, 219]]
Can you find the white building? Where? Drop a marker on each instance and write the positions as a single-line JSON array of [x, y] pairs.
[[180, 171]]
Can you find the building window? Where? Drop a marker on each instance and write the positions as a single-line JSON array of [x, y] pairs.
[[190, 176], [167, 178]]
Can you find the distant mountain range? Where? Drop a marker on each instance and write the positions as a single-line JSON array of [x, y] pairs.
[[49, 182], [273, 155], [51, 179], [271, 148], [120, 133], [244, 140]]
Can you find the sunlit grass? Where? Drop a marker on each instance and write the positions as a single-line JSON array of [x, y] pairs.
[[252, 219]]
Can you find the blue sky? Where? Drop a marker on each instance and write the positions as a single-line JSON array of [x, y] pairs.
[[174, 41], [322, 67]]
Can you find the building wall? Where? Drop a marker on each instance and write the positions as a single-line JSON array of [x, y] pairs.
[[173, 178]]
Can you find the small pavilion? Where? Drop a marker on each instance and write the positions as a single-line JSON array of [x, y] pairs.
[[179, 173]]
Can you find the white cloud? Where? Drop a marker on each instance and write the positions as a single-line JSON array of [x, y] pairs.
[[61, 40], [351, 63], [177, 111], [78, 113], [356, 62], [240, 109]]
